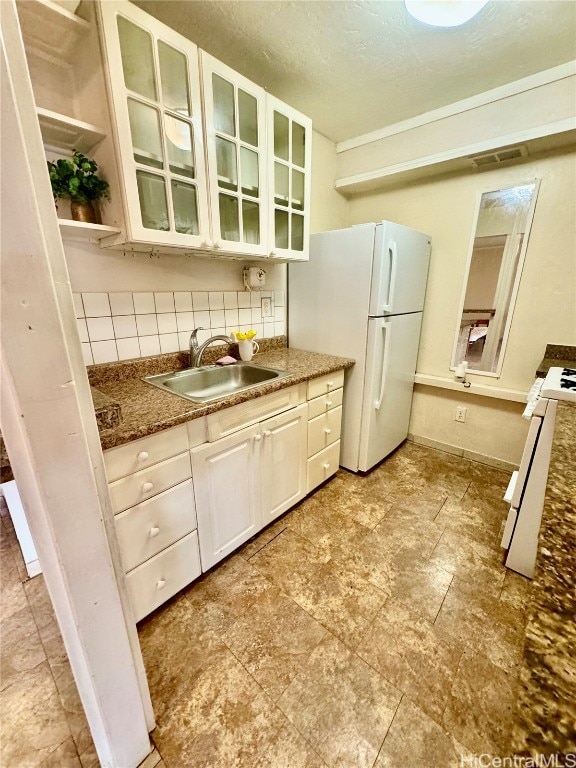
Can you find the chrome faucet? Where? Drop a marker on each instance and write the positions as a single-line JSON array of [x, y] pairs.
[[197, 350]]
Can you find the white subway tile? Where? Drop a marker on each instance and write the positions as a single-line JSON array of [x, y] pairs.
[[202, 319], [230, 300], [243, 299], [164, 302], [78, 306], [184, 340], [87, 353], [128, 348], [96, 304], [149, 345], [104, 351], [279, 329], [255, 299], [168, 342], [259, 328], [217, 318], [268, 331], [144, 303], [204, 335], [183, 301], [100, 328], [216, 300], [279, 313], [218, 332], [122, 303], [257, 315], [244, 316], [185, 321], [124, 326], [200, 301], [147, 325], [82, 329], [167, 322], [279, 298], [268, 320], [231, 316]]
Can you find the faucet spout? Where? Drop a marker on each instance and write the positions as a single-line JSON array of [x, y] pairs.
[[197, 350]]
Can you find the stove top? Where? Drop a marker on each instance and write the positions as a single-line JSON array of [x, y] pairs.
[[560, 384]]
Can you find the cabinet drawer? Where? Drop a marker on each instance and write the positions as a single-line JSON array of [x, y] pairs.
[[324, 430], [322, 466], [152, 583], [322, 404], [149, 482], [140, 454], [237, 417], [150, 527], [324, 384]]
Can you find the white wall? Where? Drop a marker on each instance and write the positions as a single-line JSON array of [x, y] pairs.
[[545, 309]]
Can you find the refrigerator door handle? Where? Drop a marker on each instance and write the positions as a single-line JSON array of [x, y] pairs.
[[386, 328], [393, 256]]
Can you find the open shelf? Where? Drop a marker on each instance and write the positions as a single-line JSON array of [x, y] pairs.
[[61, 132], [79, 230], [51, 29]]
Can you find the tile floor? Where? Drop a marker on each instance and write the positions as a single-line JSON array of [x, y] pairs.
[[373, 625]]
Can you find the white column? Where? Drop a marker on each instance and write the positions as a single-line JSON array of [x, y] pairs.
[[51, 434]]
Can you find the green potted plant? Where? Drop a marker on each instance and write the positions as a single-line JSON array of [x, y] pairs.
[[77, 180]]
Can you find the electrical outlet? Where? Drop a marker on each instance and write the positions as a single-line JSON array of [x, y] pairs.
[[266, 306], [460, 414]]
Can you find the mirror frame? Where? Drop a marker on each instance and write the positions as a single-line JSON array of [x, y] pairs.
[[530, 216]]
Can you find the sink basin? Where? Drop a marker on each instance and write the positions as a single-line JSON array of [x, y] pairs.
[[212, 382]]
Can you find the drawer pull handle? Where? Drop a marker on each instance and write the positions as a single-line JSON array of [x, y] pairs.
[[328, 430], [329, 384], [147, 487], [267, 433], [153, 532], [257, 438], [161, 583], [326, 466], [328, 403], [142, 456]]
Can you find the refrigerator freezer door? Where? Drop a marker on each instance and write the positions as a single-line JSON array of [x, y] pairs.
[[400, 269], [390, 365]]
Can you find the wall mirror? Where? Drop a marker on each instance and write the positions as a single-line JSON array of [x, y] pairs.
[[497, 249]]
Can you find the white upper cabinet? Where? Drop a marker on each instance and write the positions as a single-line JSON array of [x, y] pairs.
[[154, 83], [289, 172], [234, 113]]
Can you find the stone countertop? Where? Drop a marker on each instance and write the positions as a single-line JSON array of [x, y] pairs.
[[147, 409], [557, 356], [547, 706]]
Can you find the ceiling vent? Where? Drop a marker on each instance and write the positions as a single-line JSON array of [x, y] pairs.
[[498, 156]]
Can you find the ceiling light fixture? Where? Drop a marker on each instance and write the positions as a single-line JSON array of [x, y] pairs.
[[444, 13]]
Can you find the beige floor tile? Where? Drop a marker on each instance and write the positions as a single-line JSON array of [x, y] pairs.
[[33, 722], [64, 756], [408, 534], [421, 586], [341, 705], [465, 518], [274, 641], [470, 560], [225, 719], [371, 558], [413, 655], [264, 537], [516, 591], [425, 503], [227, 592], [481, 705], [21, 649], [483, 623], [417, 741]]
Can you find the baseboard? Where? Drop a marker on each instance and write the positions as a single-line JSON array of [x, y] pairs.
[[481, 458]]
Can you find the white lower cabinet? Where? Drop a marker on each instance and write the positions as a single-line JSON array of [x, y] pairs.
[[245, 480]]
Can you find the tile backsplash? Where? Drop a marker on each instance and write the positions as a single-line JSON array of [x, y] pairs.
[[120, 326]]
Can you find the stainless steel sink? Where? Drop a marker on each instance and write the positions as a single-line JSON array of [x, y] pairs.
[[212, 382]]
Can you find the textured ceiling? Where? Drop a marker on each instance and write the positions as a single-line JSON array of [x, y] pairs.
[[357, 66]]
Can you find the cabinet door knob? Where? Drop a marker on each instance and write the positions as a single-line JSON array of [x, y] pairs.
[[272, 254], [218, 244], [161, 583], [326, 466], [142, 456], [208, 243], [328, 430], [257, 438], [267, 433], [154, 531], [328, 403], [147, 487], [330, 383]]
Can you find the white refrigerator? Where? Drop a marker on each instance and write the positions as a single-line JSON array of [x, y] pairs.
[[361, 296]]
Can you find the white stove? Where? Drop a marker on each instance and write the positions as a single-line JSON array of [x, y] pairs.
[[560, 384]]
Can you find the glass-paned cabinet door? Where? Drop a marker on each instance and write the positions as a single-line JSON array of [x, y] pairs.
[[154, 81], [289, 170], [236, 142]]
